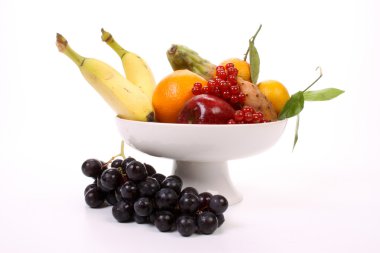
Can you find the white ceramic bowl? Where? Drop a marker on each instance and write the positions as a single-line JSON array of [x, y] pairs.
[[201, 152]]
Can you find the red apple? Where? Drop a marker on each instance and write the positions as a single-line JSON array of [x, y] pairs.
[[206, 109]]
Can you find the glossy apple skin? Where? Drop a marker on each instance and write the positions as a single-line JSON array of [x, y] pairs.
[[206, 109]]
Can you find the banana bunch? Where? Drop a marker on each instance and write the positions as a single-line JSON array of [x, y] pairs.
[[131, 97], [135, 68]]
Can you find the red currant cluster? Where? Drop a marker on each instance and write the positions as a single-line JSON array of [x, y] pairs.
[[223, 85], [247, 115]]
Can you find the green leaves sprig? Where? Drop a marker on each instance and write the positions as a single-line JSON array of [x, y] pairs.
[[322, 95], [295, 104], [254, 59]]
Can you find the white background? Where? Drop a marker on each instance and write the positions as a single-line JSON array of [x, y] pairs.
[[323, 197]]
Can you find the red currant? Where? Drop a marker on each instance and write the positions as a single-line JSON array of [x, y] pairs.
[[222, 74], [247, 108], [232, 79], [234, 99], [232, 71], [205, 90], [226, 95], [224, 85], [196, 90], [248, 117], [235, 89], [260, 115], [211, 83], [218, 82], [241, 97], [217, 91], [198, 85], [229, 65], [256, 118], [219, 68], [239, 115]]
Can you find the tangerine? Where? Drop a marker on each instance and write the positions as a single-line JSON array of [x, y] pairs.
[[243, 67], [172, 92], [276, 93]]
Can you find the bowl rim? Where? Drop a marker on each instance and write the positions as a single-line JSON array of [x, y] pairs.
[[277, 122]]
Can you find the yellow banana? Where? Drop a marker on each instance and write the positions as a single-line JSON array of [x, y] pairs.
[[126, 99], [136, 69]]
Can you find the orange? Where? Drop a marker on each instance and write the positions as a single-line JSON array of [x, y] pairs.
[[172, 92], [276, 92], [243, 67]]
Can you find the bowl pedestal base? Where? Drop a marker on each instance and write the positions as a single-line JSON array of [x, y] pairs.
[[213, 177]]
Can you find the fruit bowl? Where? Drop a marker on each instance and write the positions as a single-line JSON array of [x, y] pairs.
[[201, 152]]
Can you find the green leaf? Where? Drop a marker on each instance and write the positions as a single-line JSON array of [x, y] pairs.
[[296, 133], [293, 107], [322, 95], [254, 61]]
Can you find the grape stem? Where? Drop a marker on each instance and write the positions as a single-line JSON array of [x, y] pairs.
[[121, 154]]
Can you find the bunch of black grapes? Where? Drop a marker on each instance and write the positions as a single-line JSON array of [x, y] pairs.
[[138, 193]]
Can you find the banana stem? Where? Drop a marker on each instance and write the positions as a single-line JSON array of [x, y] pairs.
[[107, 38], [63, 47]]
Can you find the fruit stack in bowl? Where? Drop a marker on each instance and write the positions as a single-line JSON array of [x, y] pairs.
[[196, 92]]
